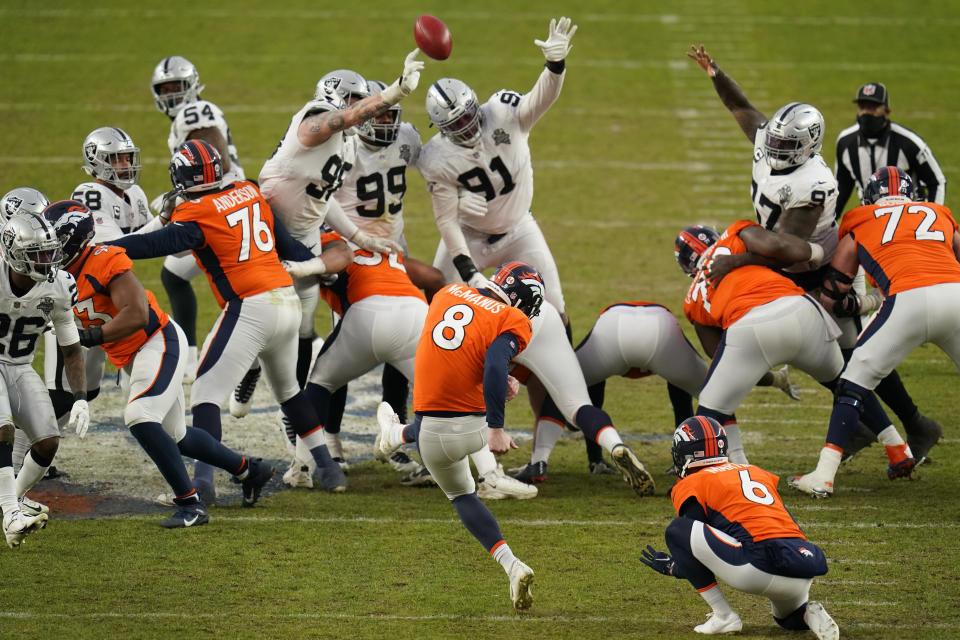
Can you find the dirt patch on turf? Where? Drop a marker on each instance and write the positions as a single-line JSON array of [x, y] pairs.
[[77, 501]]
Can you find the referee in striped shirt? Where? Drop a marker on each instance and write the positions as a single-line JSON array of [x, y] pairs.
[[875, 142]]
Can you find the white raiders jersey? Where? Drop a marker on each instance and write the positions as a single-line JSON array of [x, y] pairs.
[[498, 166], [298, 180], [113, 215], [809, 184], [203, 115], [23, 319], [373, 188]]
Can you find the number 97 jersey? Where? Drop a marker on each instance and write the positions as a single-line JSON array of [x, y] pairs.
[[808, 185]]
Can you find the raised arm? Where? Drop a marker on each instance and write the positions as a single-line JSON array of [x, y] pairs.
[[545, 92], [734, 99]]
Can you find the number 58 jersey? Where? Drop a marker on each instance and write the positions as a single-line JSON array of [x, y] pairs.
[[460, 325]]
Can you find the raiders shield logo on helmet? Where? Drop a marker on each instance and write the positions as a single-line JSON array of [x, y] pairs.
[[12, 205]]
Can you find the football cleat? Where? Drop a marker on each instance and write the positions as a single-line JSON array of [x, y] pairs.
[[403, 463], [332, 478], [521, 577], [901, 469], [190, 513], [601, 467], [17, 524], [32, 507], [720, 624], [531, 473], [497, 485], [634, 473], [782, 381], [298, 475], [419, 478], [258, 474], [344, 465], [820, 622], [387, 419], [166, 500], [922, 434], [812, 485], [242, 397]]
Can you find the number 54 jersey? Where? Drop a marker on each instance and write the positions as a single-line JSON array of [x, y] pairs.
[[23, 319], [203, 114], [460, 325]]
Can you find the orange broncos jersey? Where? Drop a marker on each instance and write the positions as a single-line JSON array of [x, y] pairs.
[[904, 245], [461, 323], [94, 270], [740, 500], [370, 274], [239, 255], [740, 291]]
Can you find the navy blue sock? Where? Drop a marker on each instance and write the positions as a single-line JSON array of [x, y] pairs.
[[873, 414], [304, 360], [183, 303], [411, 432], [596, 393], [301, 414], [164, 452], [338, 403], [591, 420], [478, 520], [320, 399], [892, 391], [594, 451], [682, 403], [200, 445], [206, 416], [396, 388], [677, 536]]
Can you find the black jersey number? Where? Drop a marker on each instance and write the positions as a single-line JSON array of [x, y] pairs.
[[191, 115], [331, 176], [22, 339], [90, 198], [764, 203], [477, 180], [372, 188]]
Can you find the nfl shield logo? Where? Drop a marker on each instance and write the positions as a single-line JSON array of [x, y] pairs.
[[869, 89]]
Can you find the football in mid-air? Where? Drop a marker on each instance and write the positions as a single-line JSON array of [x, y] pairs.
[[433, 37]]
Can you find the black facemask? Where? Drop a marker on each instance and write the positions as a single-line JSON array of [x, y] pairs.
[[872, 126]]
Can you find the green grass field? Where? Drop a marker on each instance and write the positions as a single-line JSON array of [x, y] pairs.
[[637, 147]]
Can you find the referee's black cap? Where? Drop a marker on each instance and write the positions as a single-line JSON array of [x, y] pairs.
[[873, 92]]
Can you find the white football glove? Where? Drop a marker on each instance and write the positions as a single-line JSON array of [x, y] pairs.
[[80, 417], [311, 267], [471, 203], [557, 46], [479, 281], [513, 387], [375, 243], [407, 81], [781, 380]]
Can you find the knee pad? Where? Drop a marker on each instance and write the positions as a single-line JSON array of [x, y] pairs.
[[851, 394]]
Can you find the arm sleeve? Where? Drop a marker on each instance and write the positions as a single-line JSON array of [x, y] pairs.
[[288, 247], [495, 366], [543, 94], [173, 238], [337, 218], [692, 509], [444, 198]]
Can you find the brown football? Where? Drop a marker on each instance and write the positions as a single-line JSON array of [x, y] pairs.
[[433, 37]]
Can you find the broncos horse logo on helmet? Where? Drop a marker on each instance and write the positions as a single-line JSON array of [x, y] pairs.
[[73, 224], [691, 244], [520, 285], [196, 166], [698, 442]]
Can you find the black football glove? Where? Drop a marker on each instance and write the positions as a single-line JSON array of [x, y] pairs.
[[659, 561], [91, 337], [848, 306]]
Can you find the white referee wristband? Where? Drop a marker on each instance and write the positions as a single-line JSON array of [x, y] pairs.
[[816, 253]]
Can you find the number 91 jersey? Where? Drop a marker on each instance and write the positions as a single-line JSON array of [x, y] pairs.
[[498, 166], [23, 319], [373, 189], [205, 115], [809, 184]]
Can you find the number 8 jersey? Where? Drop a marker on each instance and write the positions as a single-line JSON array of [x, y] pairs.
[[461, 323]]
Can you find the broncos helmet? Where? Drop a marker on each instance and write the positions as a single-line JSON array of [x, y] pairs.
[[105, 150], [691, 244], [520, 285], [22, 199], [351, 86], [196, 166], [73, 225], [454, 110], [383, 133], [888, 182], [793, 135], [180, 70], [29, 245], [698, 442]]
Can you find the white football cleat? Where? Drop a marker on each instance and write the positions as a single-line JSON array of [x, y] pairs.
[[521, 577], [403, 463], [812, 484], [32, 507], [387, 420], [497, 485], [720, 624], [298, 475], [820, 622], [166, 499], [17, 524]]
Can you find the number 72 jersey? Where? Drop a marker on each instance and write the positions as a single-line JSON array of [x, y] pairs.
[[904, 245]]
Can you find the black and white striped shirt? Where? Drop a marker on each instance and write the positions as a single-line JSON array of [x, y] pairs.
[[858, 158]]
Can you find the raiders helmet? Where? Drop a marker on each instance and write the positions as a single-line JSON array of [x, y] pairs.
[[519, 285], [109, 154], [793, 135], [887, 182], [698, 442], [383, 133], [351, 87], [691, 244], [180, 70], [24, 199], [30, 246], [454, 110]]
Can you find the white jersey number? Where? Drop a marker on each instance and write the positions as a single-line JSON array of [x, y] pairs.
[[259, 231], [374, 259], [922, 231], [456, 319], [755, 491]]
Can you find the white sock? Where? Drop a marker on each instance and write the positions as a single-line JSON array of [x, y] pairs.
[[890, 437], [30, 474], [829, 462], [548, 432], [485, 462], [314, 439], [717, 601], [303, 456], [8, 490], [504, 556], [396, 434], [735, 450], [192, 356], [608, 438], [333, 444], [21, 444]]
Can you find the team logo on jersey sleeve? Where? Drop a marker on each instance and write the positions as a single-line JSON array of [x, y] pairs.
[[501, 137], [784, 194], [45, 306], [405, 154]]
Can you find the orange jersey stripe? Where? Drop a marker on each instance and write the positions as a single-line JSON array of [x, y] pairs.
[[904, 245], [460, 325], [239, 255], [740, 291]]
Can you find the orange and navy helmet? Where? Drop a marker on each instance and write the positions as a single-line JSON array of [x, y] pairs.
[[698, 442], [886, 182], [691, 244], [520, 285], [73, 225], [196, 166]]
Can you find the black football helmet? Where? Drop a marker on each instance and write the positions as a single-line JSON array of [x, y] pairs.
[[73, 224], [521, 286], [691, 244], [886, 182], [196, 166], [698, 442]]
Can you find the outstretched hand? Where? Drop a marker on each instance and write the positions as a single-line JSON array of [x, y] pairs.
[[659, 561], [704, 60]]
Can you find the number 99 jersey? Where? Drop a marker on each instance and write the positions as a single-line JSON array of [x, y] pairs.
[[461, 324], [809, 184], [205, 115]]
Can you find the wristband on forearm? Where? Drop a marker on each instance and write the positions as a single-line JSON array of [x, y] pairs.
[[91, 337], [556, 67], [465, 267]]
